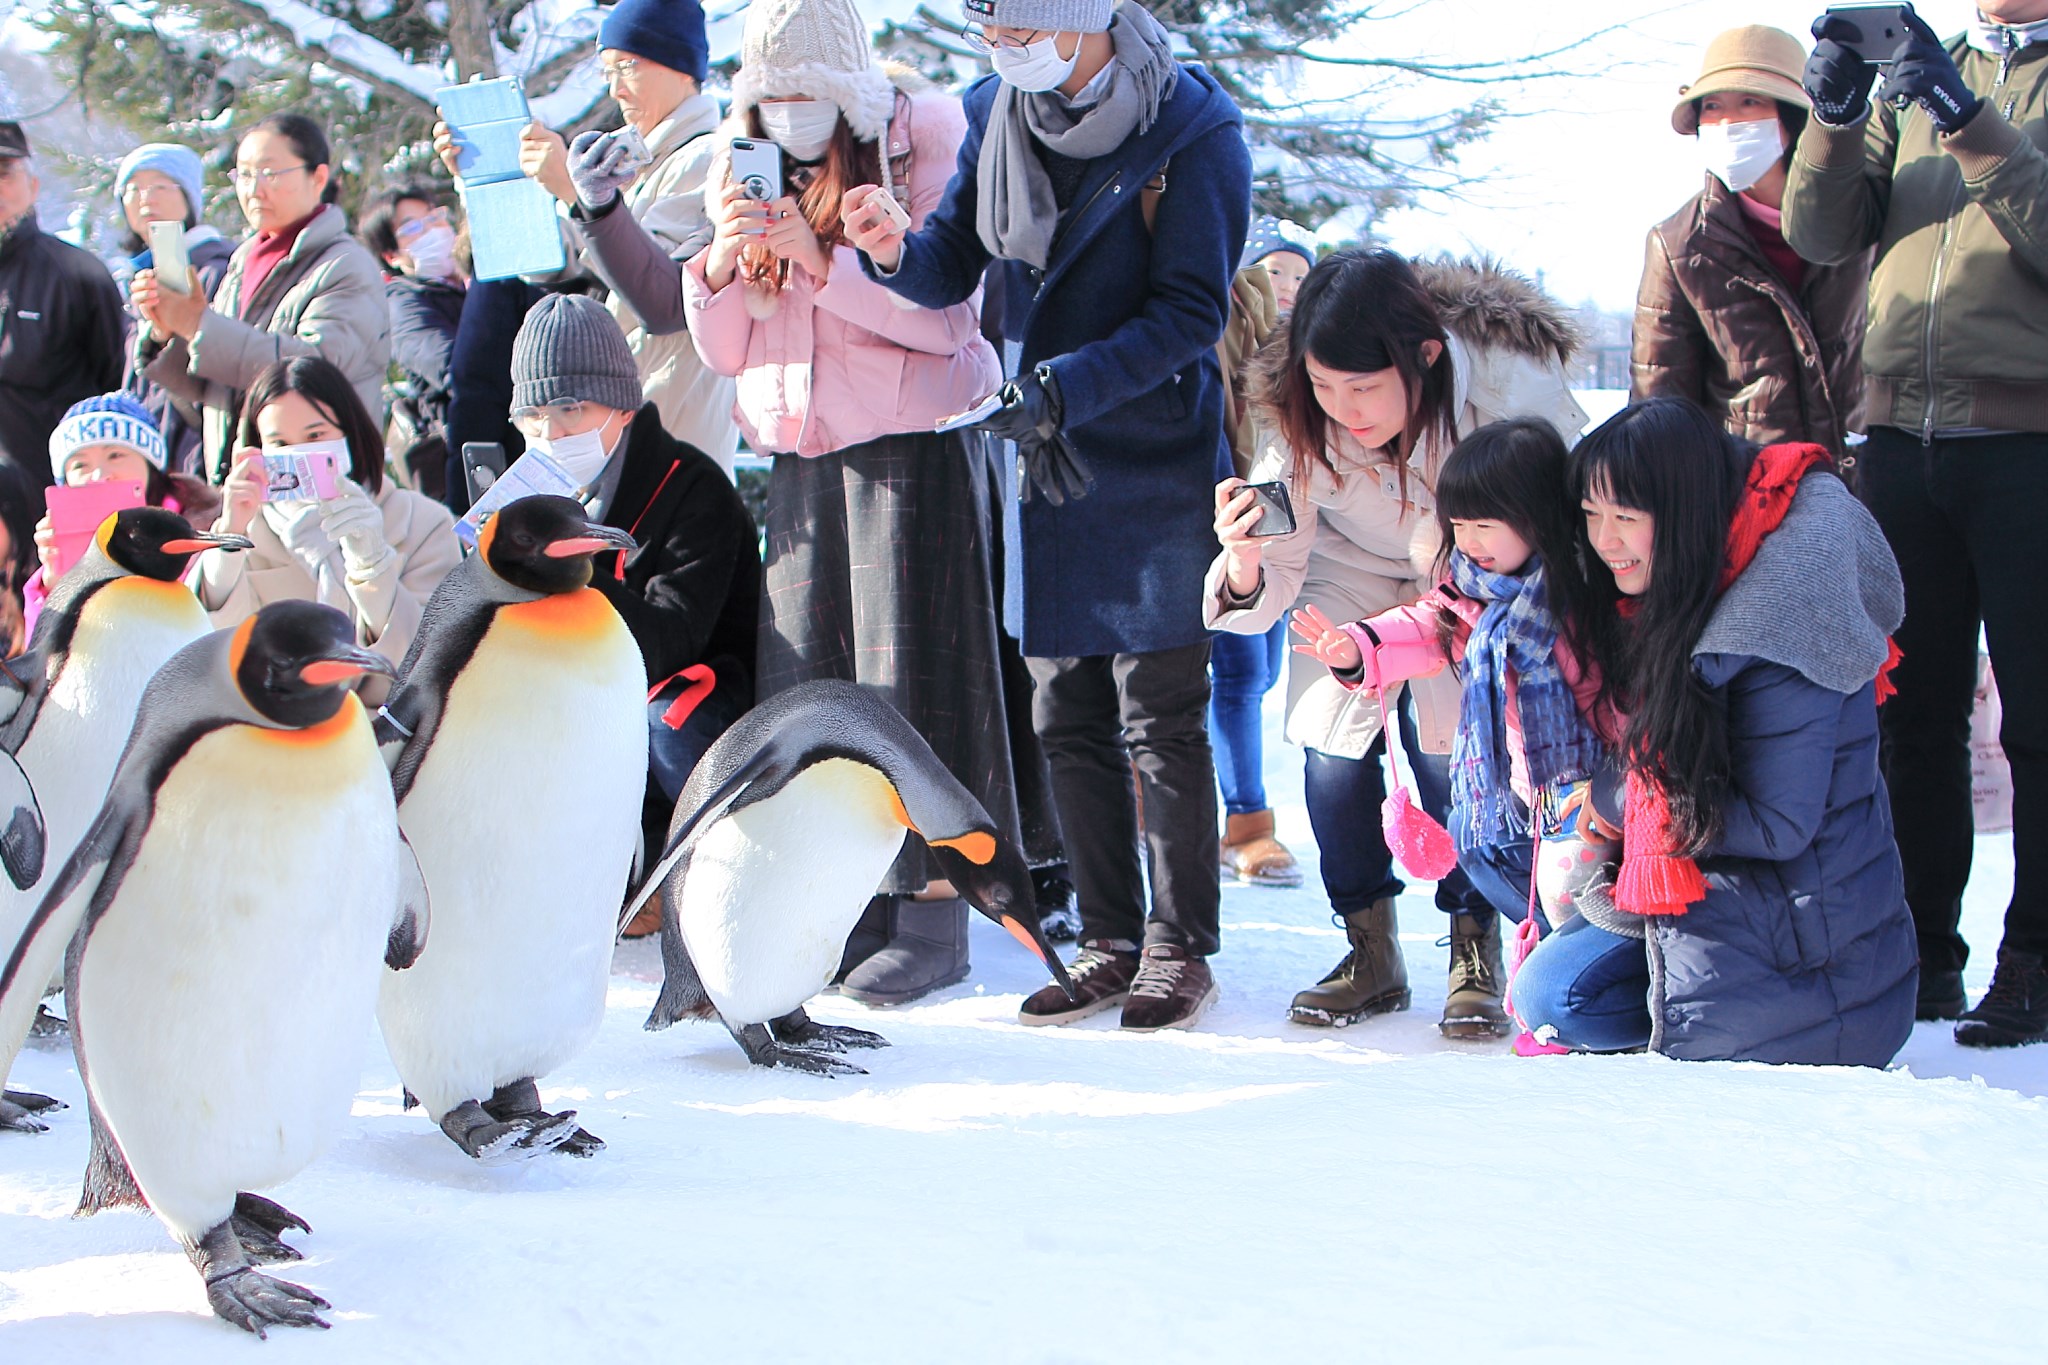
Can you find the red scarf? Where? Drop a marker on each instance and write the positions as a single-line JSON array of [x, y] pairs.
[[1655, 878], [266, 253]]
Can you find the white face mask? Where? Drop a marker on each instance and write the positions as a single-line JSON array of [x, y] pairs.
[[1035, 67], [433, 253], [582, 456], [1741, 153], [803, 128]]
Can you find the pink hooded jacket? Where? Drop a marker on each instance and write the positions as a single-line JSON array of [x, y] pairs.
[[838, 364], [1404, 643]]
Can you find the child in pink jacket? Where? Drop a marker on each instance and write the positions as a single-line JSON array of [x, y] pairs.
[[1530, 732]]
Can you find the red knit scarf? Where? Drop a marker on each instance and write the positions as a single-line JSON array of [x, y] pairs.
[[1655, 878]]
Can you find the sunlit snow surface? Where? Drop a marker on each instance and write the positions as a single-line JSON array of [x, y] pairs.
[[1249, 1191]]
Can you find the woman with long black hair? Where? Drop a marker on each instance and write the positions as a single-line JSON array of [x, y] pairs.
[[1750, 600]]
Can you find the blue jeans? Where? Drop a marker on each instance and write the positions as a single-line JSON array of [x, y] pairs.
[[1591, 986], [1501, 874], [1242, 669], [671, 754]]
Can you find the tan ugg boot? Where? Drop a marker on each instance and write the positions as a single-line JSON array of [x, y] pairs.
[[1251, 854]]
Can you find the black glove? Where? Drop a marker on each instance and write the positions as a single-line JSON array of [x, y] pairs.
[[1031, 415], [1837, 79], [1924, 74]]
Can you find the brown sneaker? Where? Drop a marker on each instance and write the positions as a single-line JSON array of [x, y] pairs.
[[1170, 990], [1101, 973]]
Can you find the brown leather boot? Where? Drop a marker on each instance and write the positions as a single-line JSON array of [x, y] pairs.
[[1251, 854], [1372, 978], [1472, 1008]]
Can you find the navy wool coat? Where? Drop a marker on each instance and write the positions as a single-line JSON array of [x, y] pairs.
[[1128, 319]]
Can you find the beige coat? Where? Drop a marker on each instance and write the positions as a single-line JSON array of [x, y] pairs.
[[668, 200], [325, 298], [233, 586], [1358, 549]]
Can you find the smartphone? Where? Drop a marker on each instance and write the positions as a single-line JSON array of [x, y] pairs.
[[76, 512], [892, 212], [482, 463], [1880, 29], [757, 168], [985, 409], [168, 257], [303, 473], [1277, 508], [637, 156]]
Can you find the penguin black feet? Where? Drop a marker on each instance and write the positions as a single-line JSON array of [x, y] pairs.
[[259, 1226], [762, 1049], [520, 1100], [18, 1110], [243, 1295], [798, 1029], [496, 1143]]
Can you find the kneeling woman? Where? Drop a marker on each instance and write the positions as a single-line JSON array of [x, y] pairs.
[[1753, 602]]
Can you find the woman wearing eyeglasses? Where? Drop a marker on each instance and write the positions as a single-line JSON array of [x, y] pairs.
[[300, 286], [160, 182]]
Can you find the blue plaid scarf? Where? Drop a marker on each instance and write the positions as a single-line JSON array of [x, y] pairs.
[[1516, 631]]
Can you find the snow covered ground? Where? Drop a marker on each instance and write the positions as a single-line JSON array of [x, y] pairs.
[[1250, 1191]]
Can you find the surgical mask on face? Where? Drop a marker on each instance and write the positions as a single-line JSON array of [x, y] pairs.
[[1741, 153], [802, 128], [1035, 67], [433, 253], [582, 456]]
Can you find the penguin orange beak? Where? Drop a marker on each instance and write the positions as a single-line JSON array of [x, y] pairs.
[[208, 540], [345, 665], [596, 540]]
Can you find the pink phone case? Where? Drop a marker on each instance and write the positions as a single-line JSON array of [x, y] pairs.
[[323, 469], [76, 513]]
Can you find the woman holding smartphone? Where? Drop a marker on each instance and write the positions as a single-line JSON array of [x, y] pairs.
[[877, 568], [1378, 371], [372, 550]]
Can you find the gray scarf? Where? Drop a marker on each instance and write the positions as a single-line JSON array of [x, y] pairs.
[[1016, 213]]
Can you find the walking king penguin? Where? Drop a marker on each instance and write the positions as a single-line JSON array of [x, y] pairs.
[[233, 897], [783, 832], [68, 704], [518, 734]]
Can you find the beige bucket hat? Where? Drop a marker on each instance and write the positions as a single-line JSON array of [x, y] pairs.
[[1753, 60]]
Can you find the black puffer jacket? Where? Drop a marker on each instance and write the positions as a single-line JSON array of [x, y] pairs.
[[60, 339]]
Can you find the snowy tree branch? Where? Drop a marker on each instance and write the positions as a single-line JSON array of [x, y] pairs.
[[349, 49]]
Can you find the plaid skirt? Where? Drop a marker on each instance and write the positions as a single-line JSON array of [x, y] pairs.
[[878, 572]]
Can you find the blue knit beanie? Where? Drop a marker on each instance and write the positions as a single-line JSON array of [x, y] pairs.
[[112, 419], [167, 158], [1270, 234], [670, 32]]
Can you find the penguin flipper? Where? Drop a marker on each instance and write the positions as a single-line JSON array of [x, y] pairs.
[[22, 842], [682, 991], [83, 888], [409, 930], [109, 1184], [763, 767]]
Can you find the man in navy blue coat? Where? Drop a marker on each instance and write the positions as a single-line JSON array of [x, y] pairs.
[[1112, 184]]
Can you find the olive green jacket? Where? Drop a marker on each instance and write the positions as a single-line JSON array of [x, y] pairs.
[[1958, 335]]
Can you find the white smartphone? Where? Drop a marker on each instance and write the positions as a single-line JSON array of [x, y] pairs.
[[638, 156], [167, 255], [893, 213], [757, 168]]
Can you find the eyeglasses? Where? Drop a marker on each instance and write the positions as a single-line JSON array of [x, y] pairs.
[[986, 45], [625, 69], [565, 412], [244, 176], [136, 190], [405, 232]]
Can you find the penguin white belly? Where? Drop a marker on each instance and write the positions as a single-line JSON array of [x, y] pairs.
[[223, 995], [773, 889], [126, 632], [524, 818]]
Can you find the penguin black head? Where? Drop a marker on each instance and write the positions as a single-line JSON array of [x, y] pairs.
[[293, 661], [990, 872], [153, 543], [543, 544]]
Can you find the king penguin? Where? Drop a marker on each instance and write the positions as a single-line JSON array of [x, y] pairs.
[[249, 835], [780, 837], [518, 736], [68, 704]]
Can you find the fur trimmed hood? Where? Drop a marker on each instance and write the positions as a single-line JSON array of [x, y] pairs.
[[866, 98], [1492, 307]]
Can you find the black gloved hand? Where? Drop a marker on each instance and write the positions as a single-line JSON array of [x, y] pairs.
[[1837, 79], [1924, 74], [1046, 460]]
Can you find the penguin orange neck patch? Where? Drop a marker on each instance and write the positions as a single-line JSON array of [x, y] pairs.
[[567, 616], [326, 732]]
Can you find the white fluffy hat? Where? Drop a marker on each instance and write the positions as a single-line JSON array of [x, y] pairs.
[[818, 49]]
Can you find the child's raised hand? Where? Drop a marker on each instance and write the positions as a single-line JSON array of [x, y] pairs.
[[1327, 642]]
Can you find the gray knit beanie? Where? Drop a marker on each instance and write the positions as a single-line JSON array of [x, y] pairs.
[[1056, 16], [570, 347]]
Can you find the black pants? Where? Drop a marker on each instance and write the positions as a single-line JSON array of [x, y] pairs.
[[1964, 518], [1099, 718]]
